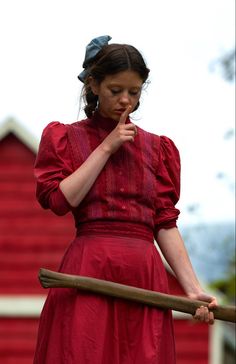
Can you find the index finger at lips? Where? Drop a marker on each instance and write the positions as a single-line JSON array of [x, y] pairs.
[[124, 115]]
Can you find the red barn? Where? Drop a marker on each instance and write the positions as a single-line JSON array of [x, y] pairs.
[[30, 238]]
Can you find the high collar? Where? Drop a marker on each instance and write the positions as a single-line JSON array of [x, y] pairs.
[[99, 121]]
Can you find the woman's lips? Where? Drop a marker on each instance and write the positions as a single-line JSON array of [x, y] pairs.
[[119, 111]]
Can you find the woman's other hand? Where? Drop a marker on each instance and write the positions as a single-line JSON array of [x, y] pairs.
[[205, 313]]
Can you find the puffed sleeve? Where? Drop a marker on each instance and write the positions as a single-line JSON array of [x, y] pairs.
[[51, 166], [168, 184]]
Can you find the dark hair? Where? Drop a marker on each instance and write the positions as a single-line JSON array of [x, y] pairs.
[[111, 59]]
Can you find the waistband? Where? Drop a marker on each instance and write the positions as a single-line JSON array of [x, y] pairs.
[[115, 228]]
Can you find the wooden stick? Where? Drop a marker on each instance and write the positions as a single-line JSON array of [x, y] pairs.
[[50, 279]]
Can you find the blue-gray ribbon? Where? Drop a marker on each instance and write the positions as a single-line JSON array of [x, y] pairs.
[[92, 49]]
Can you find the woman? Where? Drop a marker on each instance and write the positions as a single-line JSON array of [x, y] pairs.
[[122, 184]]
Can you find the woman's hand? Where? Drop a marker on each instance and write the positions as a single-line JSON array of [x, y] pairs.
[[122, 133], [203, 313]]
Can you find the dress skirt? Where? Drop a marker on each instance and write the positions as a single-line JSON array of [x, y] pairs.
[[84, 328]]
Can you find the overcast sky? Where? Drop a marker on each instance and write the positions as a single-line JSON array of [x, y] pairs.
[[42, 50]]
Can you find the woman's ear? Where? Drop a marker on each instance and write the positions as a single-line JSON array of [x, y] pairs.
[[94, 85]]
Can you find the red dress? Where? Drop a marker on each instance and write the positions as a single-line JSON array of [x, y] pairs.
[[116, 223]]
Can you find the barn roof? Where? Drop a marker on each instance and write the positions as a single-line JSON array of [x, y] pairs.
[[10, 125]]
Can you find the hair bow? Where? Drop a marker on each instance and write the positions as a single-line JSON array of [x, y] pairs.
[[92, 49]]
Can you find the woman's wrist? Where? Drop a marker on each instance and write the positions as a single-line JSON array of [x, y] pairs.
[[190, 284], [105, 148], [194, 293]]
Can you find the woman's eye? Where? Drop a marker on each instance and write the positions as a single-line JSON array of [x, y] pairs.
[[114, 91], [117, 91]]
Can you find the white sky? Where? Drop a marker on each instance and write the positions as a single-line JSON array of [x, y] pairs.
[[42, 49]]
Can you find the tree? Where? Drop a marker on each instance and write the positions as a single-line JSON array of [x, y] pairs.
[[225, 64]]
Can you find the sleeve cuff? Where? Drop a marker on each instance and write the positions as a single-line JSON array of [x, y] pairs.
[[58, 203], [165, 225]]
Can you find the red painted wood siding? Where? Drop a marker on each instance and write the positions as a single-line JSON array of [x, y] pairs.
[[17, 340], [192, 342], [30, 237]]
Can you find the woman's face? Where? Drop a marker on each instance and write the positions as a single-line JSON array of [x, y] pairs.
[[116, 92]]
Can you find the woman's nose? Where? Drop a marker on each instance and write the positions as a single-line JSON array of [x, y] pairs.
[[124, 98]]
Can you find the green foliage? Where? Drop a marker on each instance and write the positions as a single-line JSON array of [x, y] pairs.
[[227, 63], [228, 284]]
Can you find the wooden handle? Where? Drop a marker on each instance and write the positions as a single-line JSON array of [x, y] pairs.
[[50, 279]]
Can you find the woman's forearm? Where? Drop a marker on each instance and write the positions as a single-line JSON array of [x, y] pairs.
[[77, 185], [175, 253]]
